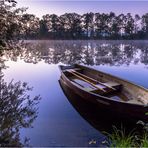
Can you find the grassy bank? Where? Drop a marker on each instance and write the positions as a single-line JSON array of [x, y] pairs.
[[119, 138]]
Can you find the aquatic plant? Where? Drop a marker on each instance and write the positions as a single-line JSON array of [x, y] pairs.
[[144, 136], [144, 140], [119, 138]]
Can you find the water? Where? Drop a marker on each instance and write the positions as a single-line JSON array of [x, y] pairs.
[[62, 121]]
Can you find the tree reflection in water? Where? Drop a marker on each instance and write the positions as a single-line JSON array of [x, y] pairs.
[[85, 52], [17, 110]]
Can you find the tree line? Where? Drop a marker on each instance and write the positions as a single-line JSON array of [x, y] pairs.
[[16, 23], [87, 26]]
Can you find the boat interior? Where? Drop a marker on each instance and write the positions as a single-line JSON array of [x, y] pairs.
[[101, 85]]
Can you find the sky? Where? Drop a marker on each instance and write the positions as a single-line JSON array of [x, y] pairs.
[[42, 7]]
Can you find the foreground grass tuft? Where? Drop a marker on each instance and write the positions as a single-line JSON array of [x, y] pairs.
[[144, 140], [120, 139]]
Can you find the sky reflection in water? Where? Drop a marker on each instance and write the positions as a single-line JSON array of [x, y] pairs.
[[58, 123]]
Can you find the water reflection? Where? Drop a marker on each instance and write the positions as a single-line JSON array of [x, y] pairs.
[[17, 110], [85, 52], [58, 124]]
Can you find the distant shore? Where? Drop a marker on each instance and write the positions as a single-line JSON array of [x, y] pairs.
[[26, 40]]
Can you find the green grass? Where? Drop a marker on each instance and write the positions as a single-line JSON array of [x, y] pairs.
[[119, 138], [144, 140]]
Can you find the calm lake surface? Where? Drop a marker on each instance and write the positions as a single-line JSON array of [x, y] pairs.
[[62, 121]]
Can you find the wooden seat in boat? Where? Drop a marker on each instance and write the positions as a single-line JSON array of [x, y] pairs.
[[113, 84]]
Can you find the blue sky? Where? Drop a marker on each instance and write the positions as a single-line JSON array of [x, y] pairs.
[[41, 7]]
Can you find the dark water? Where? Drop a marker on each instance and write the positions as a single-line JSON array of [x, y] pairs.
[[62, 121]]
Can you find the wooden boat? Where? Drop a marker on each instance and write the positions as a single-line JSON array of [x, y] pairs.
[[107, 91], [94, 115]]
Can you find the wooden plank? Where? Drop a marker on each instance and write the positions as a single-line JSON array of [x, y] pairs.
[[86, 81], [74, 69], [94, 80]]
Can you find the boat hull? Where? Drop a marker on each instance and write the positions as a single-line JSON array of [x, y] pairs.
[[98, 117], [125, 109]]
